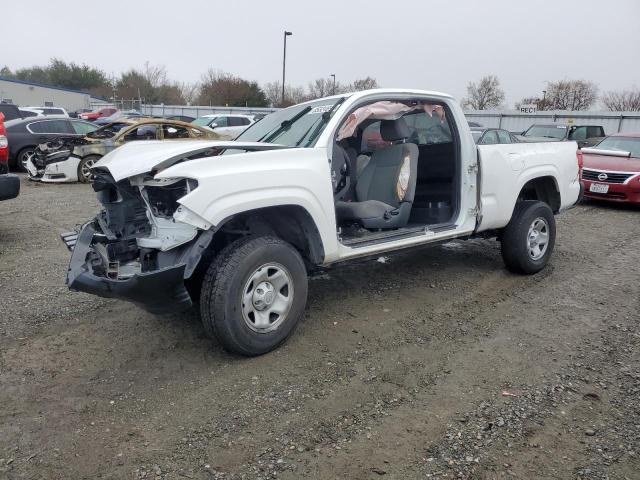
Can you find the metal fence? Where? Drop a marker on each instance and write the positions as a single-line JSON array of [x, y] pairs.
[[199, 110], [120, 104], [612, 122]]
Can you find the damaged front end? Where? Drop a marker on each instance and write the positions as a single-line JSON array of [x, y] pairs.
[[143, 246]]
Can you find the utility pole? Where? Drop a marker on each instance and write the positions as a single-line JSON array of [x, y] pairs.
[[333, 92], [284, 61]]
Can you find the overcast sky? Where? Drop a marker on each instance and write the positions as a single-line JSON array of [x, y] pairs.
[[433, 45]]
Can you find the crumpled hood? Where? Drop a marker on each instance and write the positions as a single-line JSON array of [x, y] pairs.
[[138, 157]]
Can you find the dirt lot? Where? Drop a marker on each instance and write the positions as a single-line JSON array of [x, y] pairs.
[[397, 371]]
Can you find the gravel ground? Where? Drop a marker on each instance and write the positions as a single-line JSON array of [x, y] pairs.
[[435, 364]]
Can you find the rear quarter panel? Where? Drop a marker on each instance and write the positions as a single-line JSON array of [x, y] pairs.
[[505, 169]]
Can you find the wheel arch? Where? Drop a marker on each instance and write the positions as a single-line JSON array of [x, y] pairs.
[[545, 189], [290, 222], [13, 161]]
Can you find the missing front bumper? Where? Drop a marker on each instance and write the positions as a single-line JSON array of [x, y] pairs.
[[158, 291]]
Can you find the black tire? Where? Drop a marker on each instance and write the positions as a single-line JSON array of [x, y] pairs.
[[21, 158], [83, 162], [224, 286], [515, 238]]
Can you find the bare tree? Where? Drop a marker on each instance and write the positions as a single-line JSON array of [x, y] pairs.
[[571, 95], [484, 95], [156, 75], [366, 83], [622, 101], [529, 101], [273, 92], [190, 92], [323, 87], [221, 88], [292, 95]]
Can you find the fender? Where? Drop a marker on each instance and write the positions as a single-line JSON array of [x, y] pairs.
[[232, 184]]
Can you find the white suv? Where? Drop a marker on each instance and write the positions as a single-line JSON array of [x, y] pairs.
[[227, 125]]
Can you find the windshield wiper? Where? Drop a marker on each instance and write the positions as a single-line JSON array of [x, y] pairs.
[[325, 118], [285, 125]]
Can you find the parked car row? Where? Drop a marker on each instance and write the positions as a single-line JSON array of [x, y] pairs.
[[69, 158], [584, 135], [226, 125]]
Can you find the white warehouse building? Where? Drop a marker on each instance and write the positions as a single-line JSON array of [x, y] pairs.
[[24, 93]]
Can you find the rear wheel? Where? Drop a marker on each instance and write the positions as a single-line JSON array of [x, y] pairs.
[[84, 168], [529, 238], [254, 294]]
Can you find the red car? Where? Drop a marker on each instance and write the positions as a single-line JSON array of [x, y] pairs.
[[611, 169], [103, 112], [4, 147], [9, 184]]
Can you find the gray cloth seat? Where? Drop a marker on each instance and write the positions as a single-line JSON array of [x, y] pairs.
[[379, 203]]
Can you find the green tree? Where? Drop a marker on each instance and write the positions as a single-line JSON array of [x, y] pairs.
[[62, 74]]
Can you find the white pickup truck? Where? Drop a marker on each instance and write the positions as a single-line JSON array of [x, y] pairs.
[[236, 226]]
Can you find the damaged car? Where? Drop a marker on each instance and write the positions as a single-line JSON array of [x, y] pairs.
[[69, 159], [234, 227]]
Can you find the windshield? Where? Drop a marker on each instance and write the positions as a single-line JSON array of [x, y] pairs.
[[297, 126], [624, 144], [548, 131], [203, 121]]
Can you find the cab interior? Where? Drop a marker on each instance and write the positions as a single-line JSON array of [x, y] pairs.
[[395, 171]]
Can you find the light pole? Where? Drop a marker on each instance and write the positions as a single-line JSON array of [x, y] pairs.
[[284, 61], [544, 99], [333, 92]]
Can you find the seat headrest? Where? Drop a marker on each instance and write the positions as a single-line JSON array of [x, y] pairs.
[[392, 130]]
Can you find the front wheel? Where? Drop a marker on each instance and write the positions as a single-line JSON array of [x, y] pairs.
[[254, 294], [529, 238]]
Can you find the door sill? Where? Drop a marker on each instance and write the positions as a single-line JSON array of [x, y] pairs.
[[399, 234]]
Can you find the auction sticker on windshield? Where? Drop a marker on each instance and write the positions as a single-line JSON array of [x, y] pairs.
[[320, 109]]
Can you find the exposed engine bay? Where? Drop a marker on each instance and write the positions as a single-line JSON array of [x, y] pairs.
[[136, 226]]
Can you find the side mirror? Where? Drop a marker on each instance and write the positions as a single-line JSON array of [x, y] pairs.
[[213, 125]]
